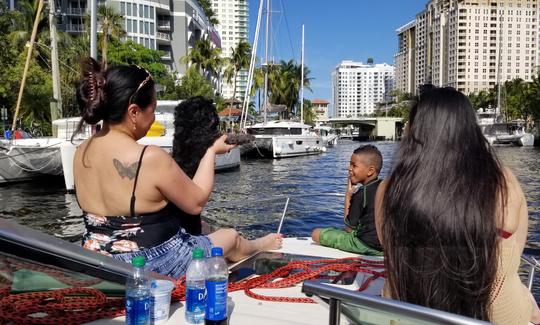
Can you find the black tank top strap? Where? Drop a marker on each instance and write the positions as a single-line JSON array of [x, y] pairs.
[[132, 203]]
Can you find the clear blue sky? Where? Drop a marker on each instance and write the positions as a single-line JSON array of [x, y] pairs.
[[334, 31]]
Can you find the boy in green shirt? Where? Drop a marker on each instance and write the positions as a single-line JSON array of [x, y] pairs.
[[360, 235]]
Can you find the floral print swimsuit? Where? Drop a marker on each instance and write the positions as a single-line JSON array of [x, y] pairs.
[[124, 234]]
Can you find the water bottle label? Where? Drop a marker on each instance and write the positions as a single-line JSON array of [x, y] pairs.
[[216, 301], [137, 311], [195, 300]]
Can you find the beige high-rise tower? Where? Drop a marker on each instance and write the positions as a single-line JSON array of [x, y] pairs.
[[469, 44]]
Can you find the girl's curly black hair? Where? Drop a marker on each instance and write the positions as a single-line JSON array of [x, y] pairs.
[[196, 127]]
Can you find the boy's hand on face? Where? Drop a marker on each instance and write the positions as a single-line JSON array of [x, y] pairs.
[[350, 188]]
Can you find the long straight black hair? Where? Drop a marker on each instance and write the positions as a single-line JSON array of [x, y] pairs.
[[443, 203]]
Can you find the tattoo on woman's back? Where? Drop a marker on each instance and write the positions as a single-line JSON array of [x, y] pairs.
[[125, 169]]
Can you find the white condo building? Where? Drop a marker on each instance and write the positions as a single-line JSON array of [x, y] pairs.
[[469, 44], [358, 87], [233, 28]]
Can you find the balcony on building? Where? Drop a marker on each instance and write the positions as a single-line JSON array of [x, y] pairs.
[[163, 7], [74, 28], [163, 23], [163, 38], [75, 11]]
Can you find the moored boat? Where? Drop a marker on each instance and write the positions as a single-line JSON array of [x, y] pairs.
[[284, 138]]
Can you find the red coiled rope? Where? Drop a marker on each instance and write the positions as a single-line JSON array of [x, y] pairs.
[[81, 305]]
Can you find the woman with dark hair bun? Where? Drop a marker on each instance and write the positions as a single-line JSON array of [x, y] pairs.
[[126, 190], [452, 220]]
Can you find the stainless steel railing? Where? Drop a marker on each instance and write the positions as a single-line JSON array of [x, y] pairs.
[[335, 296], [529, 257]]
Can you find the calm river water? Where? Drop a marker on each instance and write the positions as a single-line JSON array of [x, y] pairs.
[[251, 199]]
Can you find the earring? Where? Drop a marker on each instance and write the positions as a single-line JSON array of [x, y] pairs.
[[134, 126]]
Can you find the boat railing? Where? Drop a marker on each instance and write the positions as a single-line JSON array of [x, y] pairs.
[[363, 309], [529, 257]]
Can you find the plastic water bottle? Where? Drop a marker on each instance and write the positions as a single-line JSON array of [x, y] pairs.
[[216, 288], [138, 294], [195, 288]]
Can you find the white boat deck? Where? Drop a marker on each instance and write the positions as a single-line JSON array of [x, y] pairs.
[[247, 310]]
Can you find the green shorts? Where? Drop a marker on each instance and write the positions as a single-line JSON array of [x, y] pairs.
[[345, 241]]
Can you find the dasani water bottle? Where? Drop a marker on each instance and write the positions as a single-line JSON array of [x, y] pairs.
[[216, 288], [195, 288], [138, 294]]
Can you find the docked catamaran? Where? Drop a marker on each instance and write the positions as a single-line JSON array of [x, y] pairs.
[[280, 138]]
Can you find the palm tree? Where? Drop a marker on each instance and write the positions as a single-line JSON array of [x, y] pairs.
[[111, 27], [210, 14], [239, 60], [284, 80], [205, 58]]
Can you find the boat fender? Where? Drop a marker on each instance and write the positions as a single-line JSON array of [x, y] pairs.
[[307, 148], [278, 150], [323, 149], [290, 143]]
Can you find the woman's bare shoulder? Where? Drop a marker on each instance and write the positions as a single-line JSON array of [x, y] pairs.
[[516, 205]]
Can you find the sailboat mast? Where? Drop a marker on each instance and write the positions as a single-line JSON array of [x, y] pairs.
[[499, 57], [56, 108], [265, 105], [243, 116], [93, 29], [27, 64], [302, 80]]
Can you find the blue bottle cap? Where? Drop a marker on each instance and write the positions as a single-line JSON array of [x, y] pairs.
[[217, 251]]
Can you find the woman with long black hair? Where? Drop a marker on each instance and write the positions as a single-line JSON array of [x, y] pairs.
[[452, 220]]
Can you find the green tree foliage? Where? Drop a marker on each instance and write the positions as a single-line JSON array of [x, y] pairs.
[[206, 5], [401, 106], [309, 115], [205, 57], [240, 59], [193, 84], [483, 99], [112, 28], [284, 85], [132, 53], [532, 107]]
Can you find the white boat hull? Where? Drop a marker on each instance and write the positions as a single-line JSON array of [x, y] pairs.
[[25, 159], [284, 146], [67, 149]]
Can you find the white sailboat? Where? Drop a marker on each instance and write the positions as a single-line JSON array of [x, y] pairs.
[[281, 138]]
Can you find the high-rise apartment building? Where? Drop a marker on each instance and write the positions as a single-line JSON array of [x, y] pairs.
[[470, 44], [169, 26], [358, 87], [404, 58], [233, 27]]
